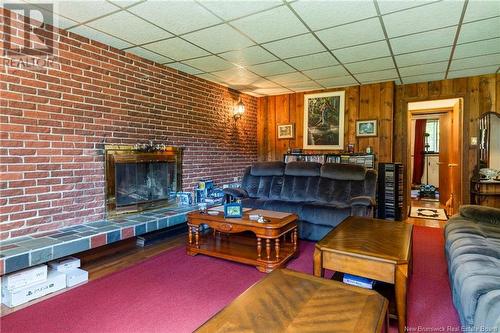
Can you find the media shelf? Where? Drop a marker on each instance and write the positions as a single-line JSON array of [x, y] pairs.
[[390, 191], [366, 160]]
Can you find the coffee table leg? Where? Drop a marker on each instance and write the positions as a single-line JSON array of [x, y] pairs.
[[277, 247], [259, 246], [197, 236], [190, 234], [294, 240], [268, 248], [401, 289], [318, 263]]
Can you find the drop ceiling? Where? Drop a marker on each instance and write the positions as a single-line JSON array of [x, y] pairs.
[[273, 47]]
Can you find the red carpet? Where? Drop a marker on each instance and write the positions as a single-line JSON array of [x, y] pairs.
[[174, 292]]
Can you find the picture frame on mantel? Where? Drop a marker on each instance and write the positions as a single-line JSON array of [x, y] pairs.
[[324, 120], [286, 131], [366, 128]]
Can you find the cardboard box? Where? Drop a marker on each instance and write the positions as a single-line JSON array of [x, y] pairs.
[[76, 276], [25, 277], [55, 281], [65, 264]]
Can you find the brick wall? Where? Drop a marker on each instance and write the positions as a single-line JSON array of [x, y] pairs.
[[55, 122]]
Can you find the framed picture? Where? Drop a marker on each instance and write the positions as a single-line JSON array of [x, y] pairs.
[[286, 131], [366, 127], [324, 120], [233, 210]]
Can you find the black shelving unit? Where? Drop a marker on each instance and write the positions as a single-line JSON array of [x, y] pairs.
[[366, 160], [390, 191]]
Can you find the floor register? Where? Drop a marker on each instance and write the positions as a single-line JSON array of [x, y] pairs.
[[35, 282]]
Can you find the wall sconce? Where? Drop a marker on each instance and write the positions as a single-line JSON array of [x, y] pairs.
[[238, 111]]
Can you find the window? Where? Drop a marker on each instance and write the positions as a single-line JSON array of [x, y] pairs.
[[432, 129]]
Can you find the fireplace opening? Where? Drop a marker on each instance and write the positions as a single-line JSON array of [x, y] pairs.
[[138, 180]]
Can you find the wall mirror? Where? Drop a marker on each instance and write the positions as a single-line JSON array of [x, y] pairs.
[[489, 146]]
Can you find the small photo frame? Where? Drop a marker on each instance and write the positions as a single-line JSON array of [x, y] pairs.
[[233, 210], [286, 131], [366, 128]]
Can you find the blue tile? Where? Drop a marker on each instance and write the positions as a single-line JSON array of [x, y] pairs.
[[140, 229], [97, 224], [87, 233], [113, 236], [63, 234], [152, 226], [16, 263], [13, 252], [71, 248], [163, 223], [177, 219], [14, 240], [140, 218], [41, 256]]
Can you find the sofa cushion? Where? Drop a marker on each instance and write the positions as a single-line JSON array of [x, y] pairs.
[[253, 203], [267, 169], [284, 206], [312, 231], [343, 171], [303, 169], [297, 188], [325, 214]]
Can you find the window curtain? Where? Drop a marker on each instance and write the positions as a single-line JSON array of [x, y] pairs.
[[418, 151]]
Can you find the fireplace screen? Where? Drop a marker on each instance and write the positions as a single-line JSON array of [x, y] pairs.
[[143, 182], [138, 180]]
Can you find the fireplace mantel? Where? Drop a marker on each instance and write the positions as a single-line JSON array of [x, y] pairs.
[[138, 180]]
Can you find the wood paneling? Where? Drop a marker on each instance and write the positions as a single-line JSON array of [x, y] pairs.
[[373, 101], [480, 94]]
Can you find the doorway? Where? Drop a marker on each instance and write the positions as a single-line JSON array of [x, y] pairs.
[[435, 138]]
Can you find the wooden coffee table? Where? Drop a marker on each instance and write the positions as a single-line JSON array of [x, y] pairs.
[[264, 245], [289, 301], [375, 249]]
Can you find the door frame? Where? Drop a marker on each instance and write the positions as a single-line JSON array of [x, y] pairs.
[[408, 160]]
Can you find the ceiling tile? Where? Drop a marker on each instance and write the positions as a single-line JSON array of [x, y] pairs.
[[352, 34], [228, 10], [370, 65], [125, 3], [83, 11], [288, 78], [472, 72], [326, 72], [172, 15], [263, 83], [184, 68], [477, 48], [149, 55], [271, 68], [237, 76], [388, 6], [318, 14], [272, 91], [176, 48], [437, 67], [138, 31], [423, 41], [249, 56], [218, 39], [212, 78], [57, 20], [323, 59], [363, 52], [423, 57], [209, 64], [377, 76], [100, 37], [338, 82], [295, 46], [485, 60], [423, 78], [251, 93], [479, 30], [433, 16], [477, 10], [303, 86], [271, 25]]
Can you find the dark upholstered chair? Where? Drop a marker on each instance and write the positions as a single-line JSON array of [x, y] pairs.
[[321, 195], [473, 252]]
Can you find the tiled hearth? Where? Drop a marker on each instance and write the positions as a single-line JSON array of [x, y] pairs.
[[32, 250]]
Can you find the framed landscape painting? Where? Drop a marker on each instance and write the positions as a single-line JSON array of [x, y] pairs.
[[286, 131], [366, 127], [324, 120]]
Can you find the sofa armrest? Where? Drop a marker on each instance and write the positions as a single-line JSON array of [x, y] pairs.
[[237, 193], [481, 214], [363, 201]]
